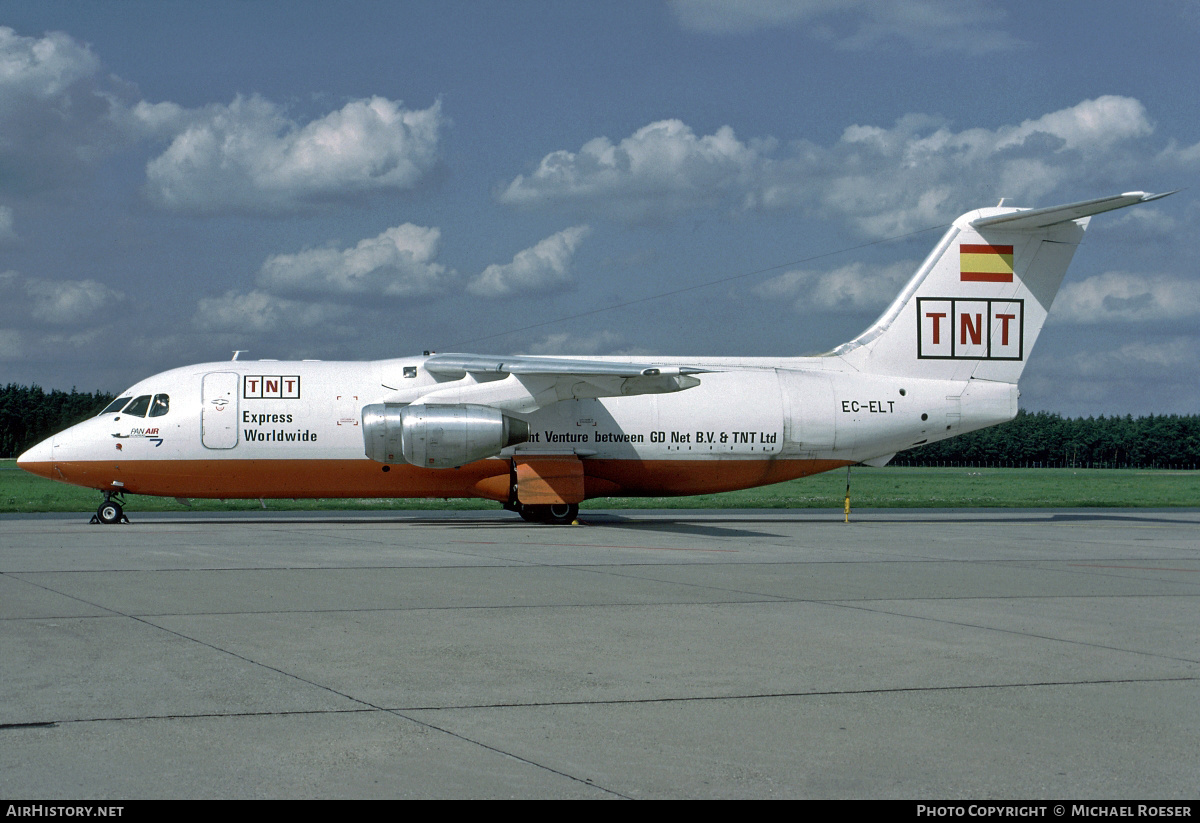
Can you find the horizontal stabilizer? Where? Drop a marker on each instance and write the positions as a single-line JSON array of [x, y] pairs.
[[1030, 219]]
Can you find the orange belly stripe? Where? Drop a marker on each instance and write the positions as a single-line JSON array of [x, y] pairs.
[[489, 479]]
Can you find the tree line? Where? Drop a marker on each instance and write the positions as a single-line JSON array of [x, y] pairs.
[[1042, 439], [29, 414]]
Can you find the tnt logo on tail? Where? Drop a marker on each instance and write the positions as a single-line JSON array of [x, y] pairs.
[[975, 307], [955, 328]]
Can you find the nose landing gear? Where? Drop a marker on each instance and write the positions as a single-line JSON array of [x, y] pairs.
[[111, 510]]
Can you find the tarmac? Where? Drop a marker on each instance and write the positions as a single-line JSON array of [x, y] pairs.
[[912, 654]]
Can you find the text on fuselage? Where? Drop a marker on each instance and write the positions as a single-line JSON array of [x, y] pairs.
[[271, 386], [870, 406]]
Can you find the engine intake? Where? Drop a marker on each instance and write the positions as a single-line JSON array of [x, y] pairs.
[[438, 437]]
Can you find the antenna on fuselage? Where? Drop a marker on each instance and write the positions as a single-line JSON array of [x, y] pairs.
[[237, 352]]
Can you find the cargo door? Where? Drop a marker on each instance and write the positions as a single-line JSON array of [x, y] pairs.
[[219, 410]]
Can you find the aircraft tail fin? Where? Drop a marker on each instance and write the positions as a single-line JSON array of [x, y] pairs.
[[976, 305]]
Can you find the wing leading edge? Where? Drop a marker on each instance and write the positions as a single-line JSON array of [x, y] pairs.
[[524, 384]]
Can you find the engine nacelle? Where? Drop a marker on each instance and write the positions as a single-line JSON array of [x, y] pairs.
[[438, 437]]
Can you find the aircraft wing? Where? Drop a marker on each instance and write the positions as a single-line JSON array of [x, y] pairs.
[[523, 384], [454, 365]]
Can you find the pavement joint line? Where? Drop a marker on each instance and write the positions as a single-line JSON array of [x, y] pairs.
[[398, 711], [843, 603], [401, 713], [824, 693], [759, 600], [514, 564], [1031, 635], [855, 605], [323, 687], [410, 609]]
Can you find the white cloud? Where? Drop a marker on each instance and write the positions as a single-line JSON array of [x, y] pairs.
[[1146, 359], [1091, 125], [1175, 156], [1114, 376], [59, 113], [1146, 222], [258, 312], [44, 320], [661, 170], [249, 156], [12, 345], [57, 302], [1124, 297], [916, 174], [601, 342], [852, 288], [7, 233], [544, 266], [66, 302], [399, 262], [970, 26], [26, 346], [1120, 368], [920, 172], [41, 67], [162, 120], [319, 296]]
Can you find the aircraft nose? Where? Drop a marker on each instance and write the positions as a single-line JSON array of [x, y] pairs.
[[38, 459]]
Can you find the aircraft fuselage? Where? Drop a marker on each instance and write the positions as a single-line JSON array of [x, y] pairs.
[[294, 429]]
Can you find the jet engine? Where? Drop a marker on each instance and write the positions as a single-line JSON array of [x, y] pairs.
[[438, 437]]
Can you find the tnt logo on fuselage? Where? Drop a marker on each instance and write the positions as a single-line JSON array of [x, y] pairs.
[[951, 328], [271, 386]]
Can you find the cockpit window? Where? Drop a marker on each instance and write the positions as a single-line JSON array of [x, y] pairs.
[[160, 405], [138, 407], [116, 405]]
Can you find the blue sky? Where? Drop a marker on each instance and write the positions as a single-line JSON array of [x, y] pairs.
[[367, 179]]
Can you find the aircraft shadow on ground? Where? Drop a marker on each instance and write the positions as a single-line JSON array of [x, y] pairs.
[[712, 524]]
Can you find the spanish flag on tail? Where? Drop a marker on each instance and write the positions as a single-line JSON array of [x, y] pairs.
[[980, 263]]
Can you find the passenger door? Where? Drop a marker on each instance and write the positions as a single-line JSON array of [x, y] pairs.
[[219, 412]]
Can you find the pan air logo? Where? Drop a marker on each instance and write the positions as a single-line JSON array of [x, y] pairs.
[[980, 263], [271, 386], [953, 328]]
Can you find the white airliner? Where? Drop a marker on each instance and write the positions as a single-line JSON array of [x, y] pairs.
[[541, 434]]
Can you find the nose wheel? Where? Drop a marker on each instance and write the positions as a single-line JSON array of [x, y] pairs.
[[110, 511]]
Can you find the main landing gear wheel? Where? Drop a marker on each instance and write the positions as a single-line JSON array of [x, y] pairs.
[[558, 514]]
